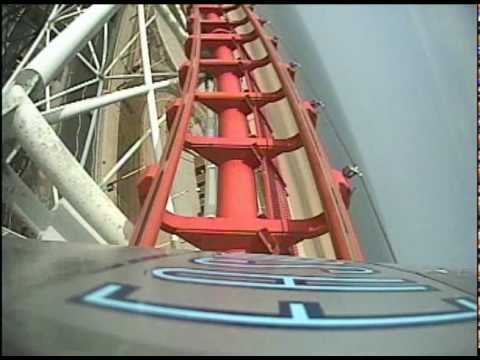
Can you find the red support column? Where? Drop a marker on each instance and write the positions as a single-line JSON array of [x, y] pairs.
[[237, 195], [238, 226]]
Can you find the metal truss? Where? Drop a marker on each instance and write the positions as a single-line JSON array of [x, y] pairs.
[[33, 115], [252, 213], [238, 152]]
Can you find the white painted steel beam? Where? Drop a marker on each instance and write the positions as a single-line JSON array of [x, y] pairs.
[[62, 223], [126, 47], [83, 106], [23, 201], [52, 157], [46, 65], [68, 91], [91, 129], [128, 154], [88, 202], [147, 71], [181, 14], [177, 29], [136, 76], [61, 17], [79, 55], [55, 11]]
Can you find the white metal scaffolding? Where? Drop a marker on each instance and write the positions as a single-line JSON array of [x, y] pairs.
[[29, 112]]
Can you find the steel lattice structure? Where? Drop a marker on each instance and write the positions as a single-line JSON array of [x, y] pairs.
[[216, 49], [171, 147], [237, 152], [28, 94]]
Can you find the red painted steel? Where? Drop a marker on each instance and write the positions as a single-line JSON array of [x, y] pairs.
[[238, 151], [237, 194], [342, 232]]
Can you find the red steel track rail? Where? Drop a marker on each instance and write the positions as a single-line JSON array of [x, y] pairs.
[[238, 151]]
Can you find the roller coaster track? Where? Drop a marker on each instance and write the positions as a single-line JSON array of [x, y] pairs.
[[237, 151]]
